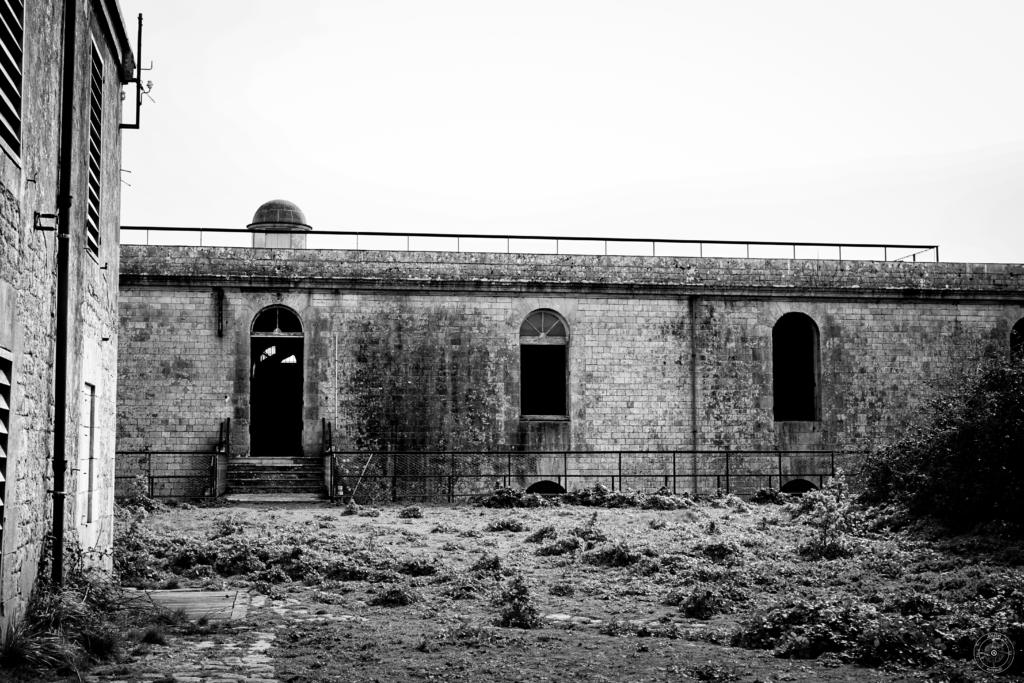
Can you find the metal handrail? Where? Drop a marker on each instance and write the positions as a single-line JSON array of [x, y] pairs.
[[919, 248]]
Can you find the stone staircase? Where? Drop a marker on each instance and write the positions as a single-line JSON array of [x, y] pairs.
[[301, 478]]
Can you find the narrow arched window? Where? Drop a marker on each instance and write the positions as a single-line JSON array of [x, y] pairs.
[[796, 369], [1017, 341], [543, 365]]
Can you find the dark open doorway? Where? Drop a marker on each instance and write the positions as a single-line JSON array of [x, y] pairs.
[[275, 386]]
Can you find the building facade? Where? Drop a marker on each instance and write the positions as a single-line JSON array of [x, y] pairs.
[[32, 133], [436, 351]]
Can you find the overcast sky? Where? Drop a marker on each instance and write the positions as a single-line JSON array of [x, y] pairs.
[[893, 121]]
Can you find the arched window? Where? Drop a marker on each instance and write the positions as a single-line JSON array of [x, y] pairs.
[[796, 369], [276, 320], [543, 366], [1017, 341]]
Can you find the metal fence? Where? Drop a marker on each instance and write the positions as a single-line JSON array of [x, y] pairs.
[[167, 474], [381, 476], [524, 244]]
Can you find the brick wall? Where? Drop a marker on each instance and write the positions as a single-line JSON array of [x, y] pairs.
[[420, 351]]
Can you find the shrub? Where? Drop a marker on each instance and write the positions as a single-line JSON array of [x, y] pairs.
[[656, 524], [563, 588], [417, 567], [768, 496], [830, 514], [395, 595], [804, 630], [542, 534], [506, 524], [487, 563], [516, 609], [617, 554], [962, 464], [702, 602], [589, 532], [410, 512], [560, 547], [513, 497]]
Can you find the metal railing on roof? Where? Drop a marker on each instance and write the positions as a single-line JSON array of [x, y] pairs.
[[519, 244]]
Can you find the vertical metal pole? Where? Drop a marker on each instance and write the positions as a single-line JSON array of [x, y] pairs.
[[727, 489], [620, 470], [451, 481], [565, 469], [149, 465], [780, 470], [832, 454], [508, 482], [673, 473]]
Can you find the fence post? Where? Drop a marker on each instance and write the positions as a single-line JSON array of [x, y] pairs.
[[565, 469], [451, 481], [149, 466], [832, 455], [673, 473], [620, 472], [780, 470], [508, 481], [727, 490]]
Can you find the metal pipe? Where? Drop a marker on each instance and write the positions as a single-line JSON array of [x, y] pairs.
[[64, 204], [694, 434]]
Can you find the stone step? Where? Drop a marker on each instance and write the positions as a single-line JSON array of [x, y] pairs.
[[276, 481], [307, 490], [275, 498], [275, 471], [277, 462]]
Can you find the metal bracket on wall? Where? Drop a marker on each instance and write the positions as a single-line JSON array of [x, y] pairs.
[[46, 222]]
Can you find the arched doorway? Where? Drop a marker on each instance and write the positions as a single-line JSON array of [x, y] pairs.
[[275, 384]]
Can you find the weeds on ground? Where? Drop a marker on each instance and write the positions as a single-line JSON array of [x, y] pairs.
[[410, 512], [562, 546], [395, 595], [515, 607], [542, 534], [616, 554], [513, 497], [506, 524]]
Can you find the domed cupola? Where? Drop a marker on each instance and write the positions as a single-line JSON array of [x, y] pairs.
[[279, 224]]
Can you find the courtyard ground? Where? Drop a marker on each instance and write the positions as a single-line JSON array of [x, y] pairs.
[[716, 591]]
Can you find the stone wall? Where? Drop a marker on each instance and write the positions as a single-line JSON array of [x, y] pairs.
[[420, 351], [28, 184]]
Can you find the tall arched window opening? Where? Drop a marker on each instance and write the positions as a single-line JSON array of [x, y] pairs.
[[275, 384], [796, 369], [543, 366], [1017, 341]]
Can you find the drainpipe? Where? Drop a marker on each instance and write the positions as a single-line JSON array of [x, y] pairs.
[[694, 432], [64, 201]]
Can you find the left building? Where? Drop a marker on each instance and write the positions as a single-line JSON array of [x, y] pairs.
[[63, 65]]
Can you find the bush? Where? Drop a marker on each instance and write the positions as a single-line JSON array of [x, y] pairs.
[[506, 524], [962, 465], [829, 512], [703, 602], [516, 609], [396, 595], [560, 547], [513, 497], [617, 554], [410, 512], [804, 630]]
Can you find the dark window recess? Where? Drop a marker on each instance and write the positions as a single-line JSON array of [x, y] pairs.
[[5, 429], [543, 378], [277, 321], [1017, 341], [12, 13], [795, 369], [92, 218]]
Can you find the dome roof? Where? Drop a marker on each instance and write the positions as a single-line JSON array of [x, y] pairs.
[[278, 214]]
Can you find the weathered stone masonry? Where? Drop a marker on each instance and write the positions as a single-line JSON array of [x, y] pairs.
[[28, 184], [420, 350]]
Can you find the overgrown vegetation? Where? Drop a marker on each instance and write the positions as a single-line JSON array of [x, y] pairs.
[[962, 464]]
